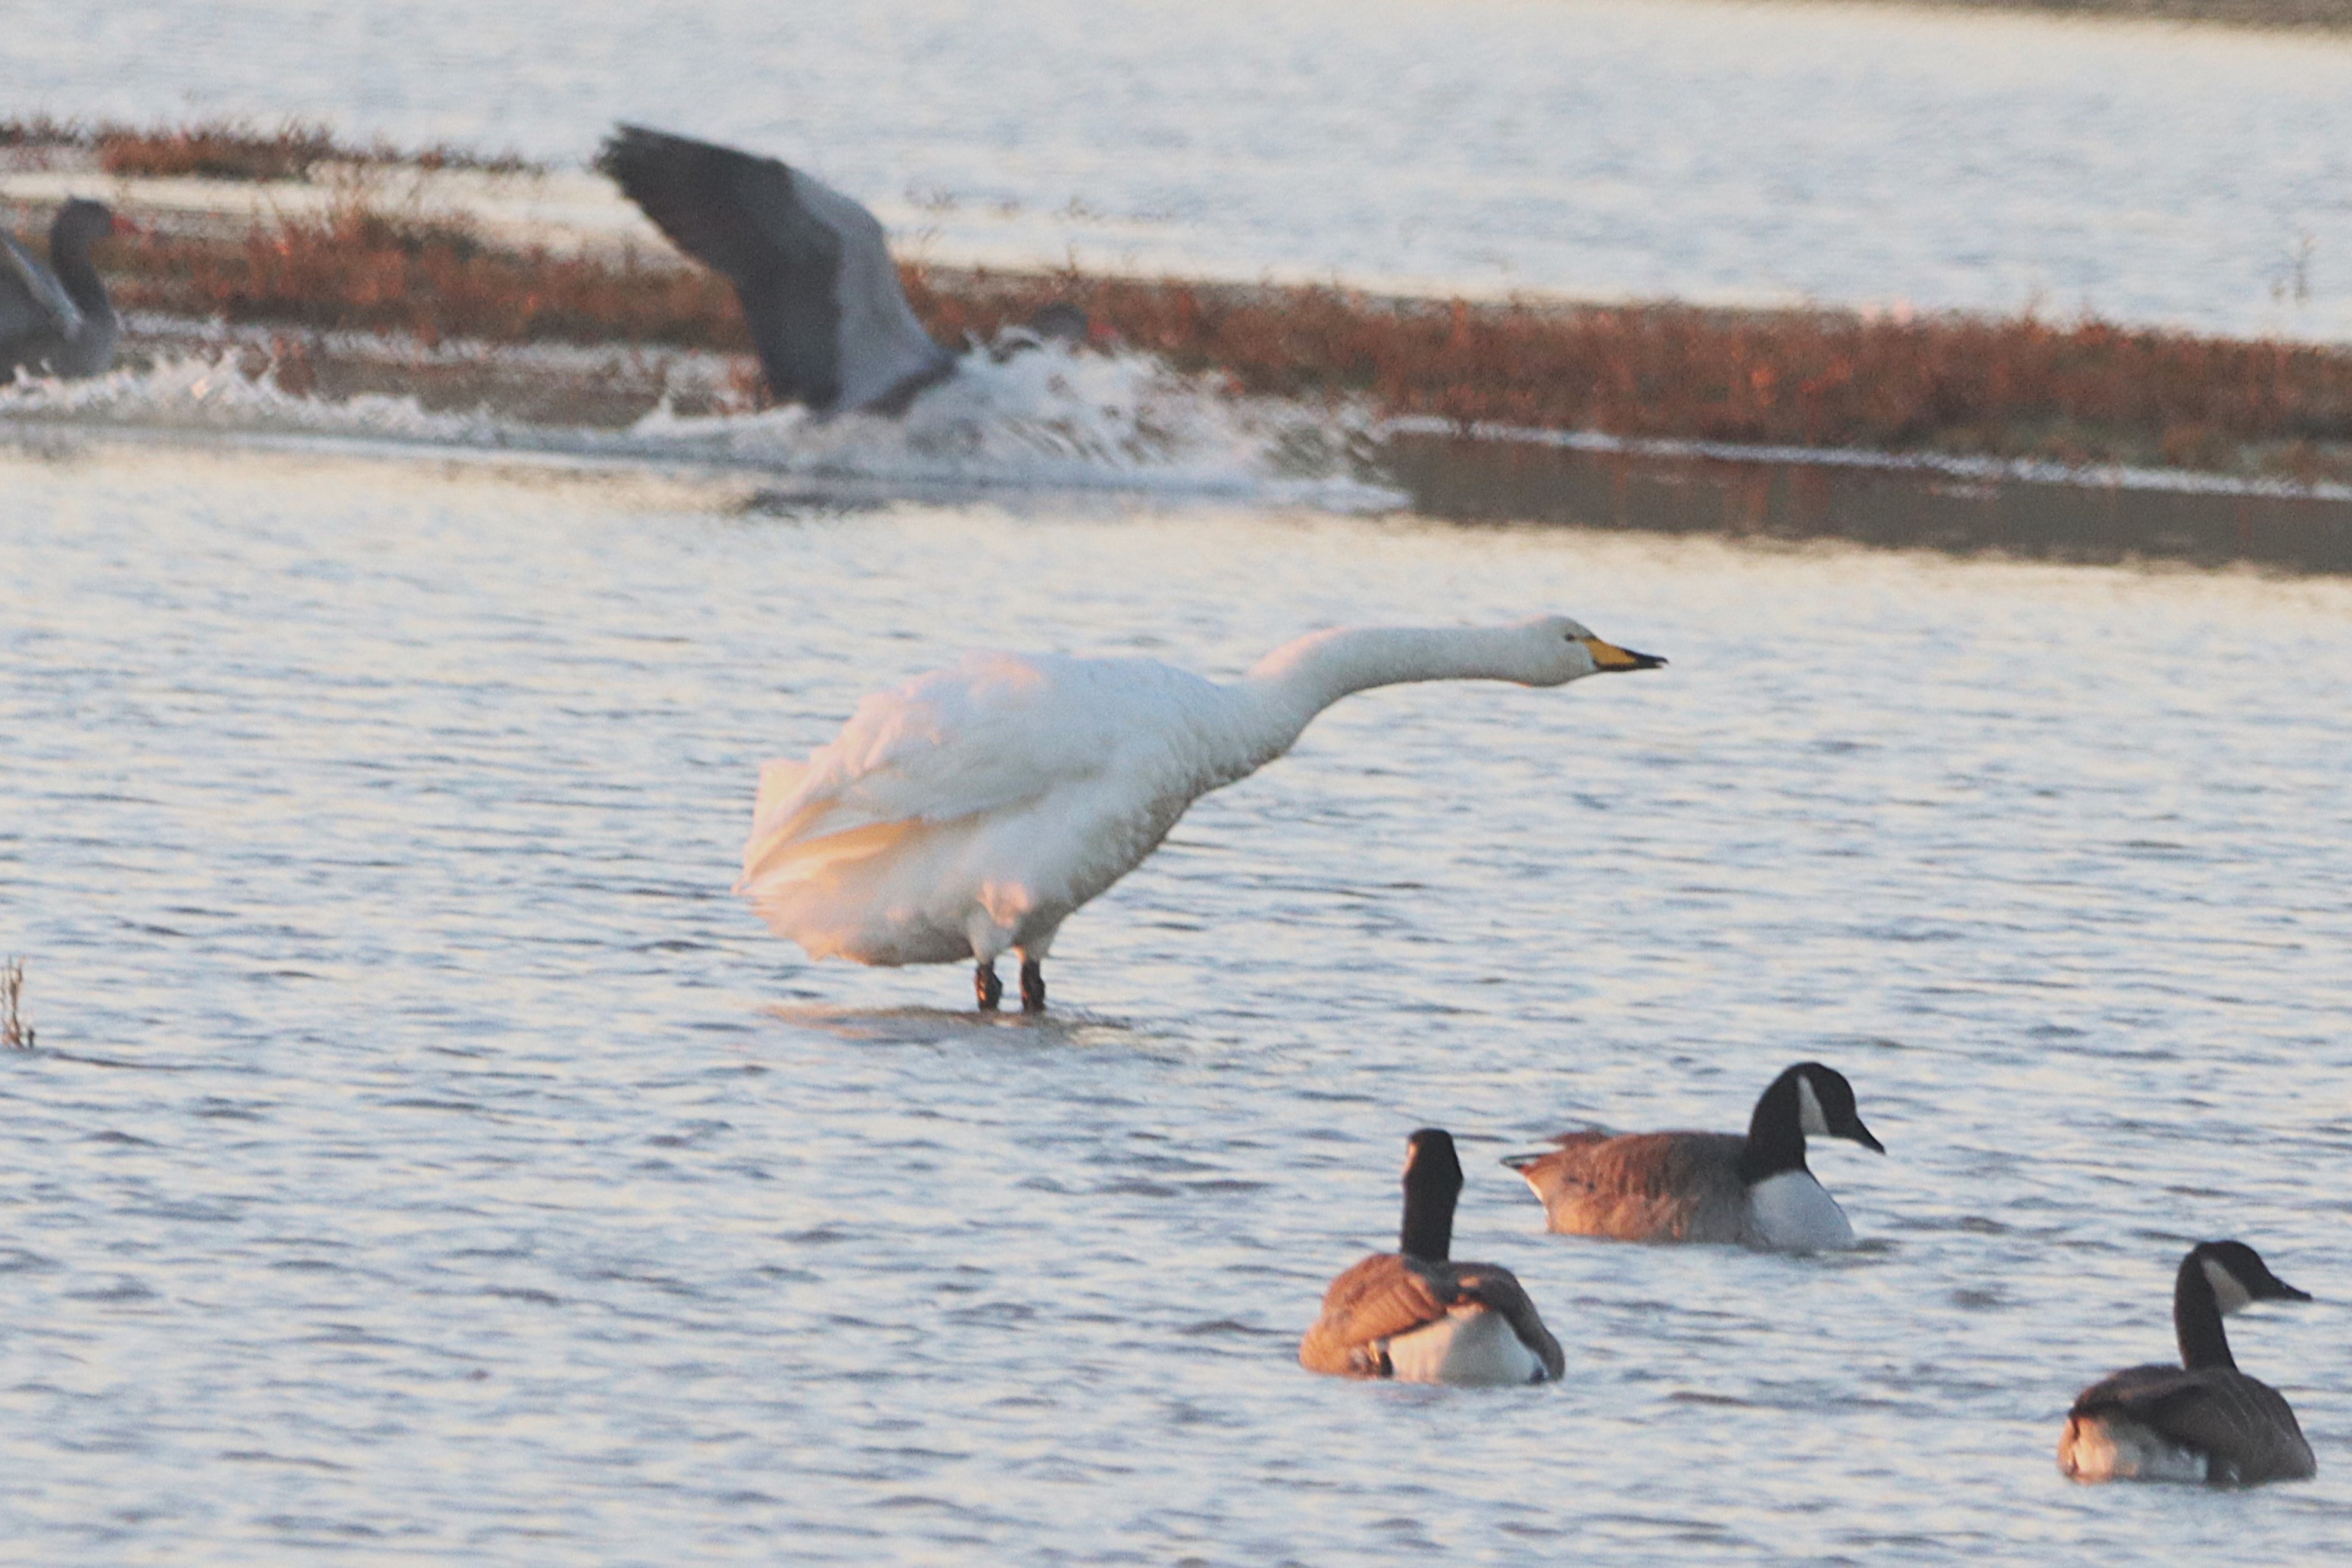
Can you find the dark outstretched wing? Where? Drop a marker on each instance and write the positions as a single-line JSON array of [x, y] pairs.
[[810, 265], [2245, 1426], [33, 303], [1386, 1295]]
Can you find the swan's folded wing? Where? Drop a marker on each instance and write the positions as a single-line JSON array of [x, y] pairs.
[[31, 299], [995, 732], [1501, 1292], [1385, 1295]]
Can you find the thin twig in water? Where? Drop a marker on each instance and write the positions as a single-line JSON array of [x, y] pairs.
[[15, 1033]]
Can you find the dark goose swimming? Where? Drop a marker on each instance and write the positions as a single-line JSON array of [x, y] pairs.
[[57, 319], [2203, 1420]]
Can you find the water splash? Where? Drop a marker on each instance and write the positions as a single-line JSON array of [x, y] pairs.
[[213, 392], [1018, 415]]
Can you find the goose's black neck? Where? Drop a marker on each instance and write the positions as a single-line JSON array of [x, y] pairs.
[[2196, 1318], [69, 243], [1776, 1133], [1432, 1182]]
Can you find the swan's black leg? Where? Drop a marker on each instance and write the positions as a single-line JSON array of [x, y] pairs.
[[1033, 985], [990, 989]]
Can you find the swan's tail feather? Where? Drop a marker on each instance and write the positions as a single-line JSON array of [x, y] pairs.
[[810, 890], [779, 817]]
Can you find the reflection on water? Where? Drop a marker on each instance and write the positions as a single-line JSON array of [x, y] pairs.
[[1518, 482], [427, 1156], [934, 1027]]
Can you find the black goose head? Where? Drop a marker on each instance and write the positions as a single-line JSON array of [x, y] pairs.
[[1806, 1100], [80, 224], [2215, 1278], [1060, 319], [1433, 1181]]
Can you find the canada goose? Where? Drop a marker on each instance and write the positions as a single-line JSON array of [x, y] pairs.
[[2203, 1420], [970, 812], [809, 265], [57, 319], [1416, 1316], [1708, 1186]]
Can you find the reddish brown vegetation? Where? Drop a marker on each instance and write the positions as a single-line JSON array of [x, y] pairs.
[[356, 267], [217, 151], [235, 149], [2010, 387], [1810, 378]]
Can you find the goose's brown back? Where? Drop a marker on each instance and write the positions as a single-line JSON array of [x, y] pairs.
[[1642, 1186], [1388, 1295]]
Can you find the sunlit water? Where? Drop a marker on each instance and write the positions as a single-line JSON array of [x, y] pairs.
[[424, 1153], [1771, 152]]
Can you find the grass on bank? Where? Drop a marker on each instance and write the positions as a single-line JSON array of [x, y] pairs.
[[2077, 392], [239, 149]]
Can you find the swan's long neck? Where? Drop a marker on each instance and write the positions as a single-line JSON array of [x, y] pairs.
[[1300, 679]]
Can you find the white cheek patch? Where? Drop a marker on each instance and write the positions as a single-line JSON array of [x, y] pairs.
[[2228, 1294], [1809, 1119]]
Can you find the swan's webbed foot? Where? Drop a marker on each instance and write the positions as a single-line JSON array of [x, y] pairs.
[[989, 988], [1033, 985]]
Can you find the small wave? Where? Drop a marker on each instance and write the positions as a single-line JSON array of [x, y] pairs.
[[1016, 416], [213, 391]]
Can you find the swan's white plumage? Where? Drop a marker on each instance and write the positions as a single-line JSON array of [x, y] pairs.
[[968, 812]]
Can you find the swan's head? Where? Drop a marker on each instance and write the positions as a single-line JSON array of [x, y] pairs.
[[1559, 650]]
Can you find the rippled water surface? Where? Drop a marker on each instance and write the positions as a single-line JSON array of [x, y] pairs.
[[1731, 153], [425, 1155]]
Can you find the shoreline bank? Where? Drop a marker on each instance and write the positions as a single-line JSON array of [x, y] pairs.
[[539, 297], [2264, 15], [2081, 393]]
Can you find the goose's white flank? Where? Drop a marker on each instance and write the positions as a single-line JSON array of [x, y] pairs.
[[967, 813]]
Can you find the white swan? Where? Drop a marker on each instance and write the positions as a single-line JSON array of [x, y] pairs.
[[969, 812]]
